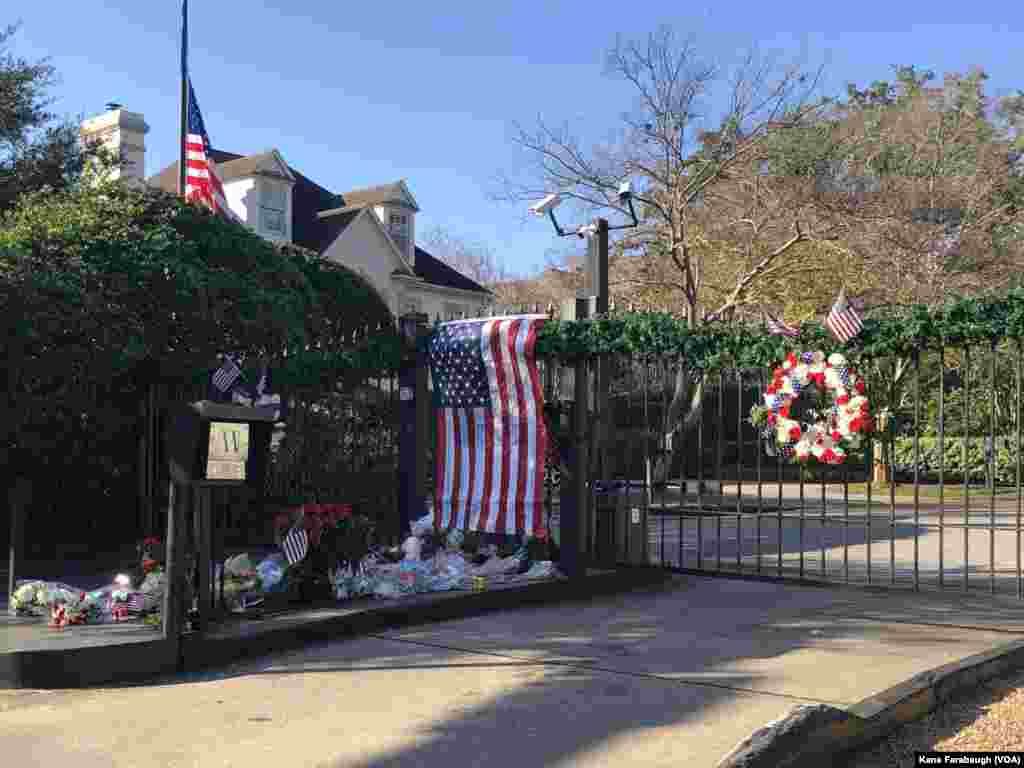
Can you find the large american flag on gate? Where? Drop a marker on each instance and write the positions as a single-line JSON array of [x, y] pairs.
[[491, 437], [202, 182]]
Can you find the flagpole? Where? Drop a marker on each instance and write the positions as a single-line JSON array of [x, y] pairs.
[[183, 154]]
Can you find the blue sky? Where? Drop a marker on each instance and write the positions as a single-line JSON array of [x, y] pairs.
[[355, 94]]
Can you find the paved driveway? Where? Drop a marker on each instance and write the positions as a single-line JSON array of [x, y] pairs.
[[667, 677]]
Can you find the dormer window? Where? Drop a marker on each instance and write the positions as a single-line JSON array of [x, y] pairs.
[[398, 225], [273, 208]]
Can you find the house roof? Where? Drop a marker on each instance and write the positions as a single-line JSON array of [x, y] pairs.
[[318, 232], [435, 271], [384, 193]]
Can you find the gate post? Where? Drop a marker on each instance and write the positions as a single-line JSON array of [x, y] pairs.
[[574, 493], [18, 497], [414, 423]]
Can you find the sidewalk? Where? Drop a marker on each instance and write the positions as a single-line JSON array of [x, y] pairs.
[[664, 677]]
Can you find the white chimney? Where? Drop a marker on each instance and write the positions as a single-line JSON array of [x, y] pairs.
[[124, 133]]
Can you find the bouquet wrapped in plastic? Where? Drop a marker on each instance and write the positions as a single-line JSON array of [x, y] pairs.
[[83, 608], [242, 582], [450, 571], [30, 598], [152, 590], [271, 573], [37, 598]]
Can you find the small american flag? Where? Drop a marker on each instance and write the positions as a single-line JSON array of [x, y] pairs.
[[295, 544], [227, 374], [491, 436], [843, 320], [202, 182], [779, 327], [136, 602]]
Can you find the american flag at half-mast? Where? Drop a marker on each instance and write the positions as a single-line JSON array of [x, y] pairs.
[[202, 182], [843, 320], [491, 437]]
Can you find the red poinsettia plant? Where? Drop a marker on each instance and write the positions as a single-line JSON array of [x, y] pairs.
[[315, 517]]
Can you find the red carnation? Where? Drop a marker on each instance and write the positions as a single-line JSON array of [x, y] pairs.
[[772, 419], [828, 456], [836, 436], [859, 386], [772, 389], [794, 433], [843, 399], [148, 565], [856, 424], [784, 410]]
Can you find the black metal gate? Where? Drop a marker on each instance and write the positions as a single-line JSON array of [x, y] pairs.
[[934, 500]]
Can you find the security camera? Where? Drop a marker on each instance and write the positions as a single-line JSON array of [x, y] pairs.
[[625, 191], [546, 205]]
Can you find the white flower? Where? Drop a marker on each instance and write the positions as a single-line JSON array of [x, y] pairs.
[[837, 360]]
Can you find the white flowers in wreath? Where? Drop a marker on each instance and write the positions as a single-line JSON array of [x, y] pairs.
[[831, 439]]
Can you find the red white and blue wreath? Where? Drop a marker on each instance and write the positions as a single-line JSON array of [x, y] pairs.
[[846, 420]]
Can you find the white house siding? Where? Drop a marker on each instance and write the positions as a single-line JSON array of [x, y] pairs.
[[241, 196], [383, 213], [362, 247], [437, 301]]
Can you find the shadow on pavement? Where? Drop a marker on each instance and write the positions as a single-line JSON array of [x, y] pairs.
[[632, 668]]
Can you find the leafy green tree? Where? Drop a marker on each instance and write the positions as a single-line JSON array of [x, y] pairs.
[[37, 149]]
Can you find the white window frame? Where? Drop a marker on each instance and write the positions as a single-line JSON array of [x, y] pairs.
[[267, 212], [400, 233]]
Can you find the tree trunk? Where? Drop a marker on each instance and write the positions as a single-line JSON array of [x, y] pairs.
[[681, 419]]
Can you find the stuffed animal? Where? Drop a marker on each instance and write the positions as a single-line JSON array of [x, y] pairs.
[[412, 548]]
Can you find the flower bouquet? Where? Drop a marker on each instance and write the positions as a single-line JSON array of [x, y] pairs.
[[338, 542], [83, 608], [30, 598]]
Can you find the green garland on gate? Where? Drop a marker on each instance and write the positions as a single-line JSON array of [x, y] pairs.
[[890, 331]]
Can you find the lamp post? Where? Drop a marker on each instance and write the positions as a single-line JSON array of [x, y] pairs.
[[575, 514]]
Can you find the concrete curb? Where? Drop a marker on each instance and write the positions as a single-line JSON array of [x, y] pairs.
[[200, 652], [815, 735]]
